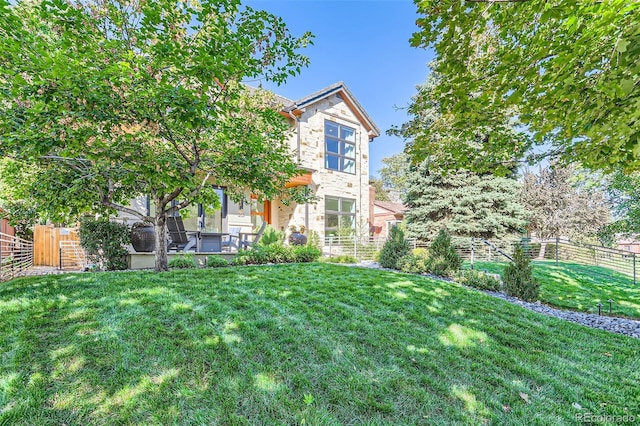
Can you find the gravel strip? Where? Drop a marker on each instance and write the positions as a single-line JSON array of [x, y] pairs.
[[625, 326]]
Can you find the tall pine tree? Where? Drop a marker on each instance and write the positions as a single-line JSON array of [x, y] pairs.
[[466, 204]]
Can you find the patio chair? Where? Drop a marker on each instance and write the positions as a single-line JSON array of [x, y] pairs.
[[180, 239], [245, 243], [232, 240]]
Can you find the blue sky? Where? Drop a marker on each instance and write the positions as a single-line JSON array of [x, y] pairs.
[[366, 45]]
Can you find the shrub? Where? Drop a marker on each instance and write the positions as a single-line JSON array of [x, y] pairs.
[[443, 260], [242, 258], [394, 248], [420, 251], [478, 279], [413, 264], [216, 262], [305, 253], [313, 239], [270, 236], [105, 242], [343, 258], [185, 261], [518, 278]]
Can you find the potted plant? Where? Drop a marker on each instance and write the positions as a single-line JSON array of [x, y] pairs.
[[297, 237], [143, 237]]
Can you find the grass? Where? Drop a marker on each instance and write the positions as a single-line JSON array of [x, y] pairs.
[[315, 344], [581, 287]]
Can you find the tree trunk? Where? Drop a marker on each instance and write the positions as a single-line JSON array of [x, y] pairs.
[[161, 244], [543, 248]]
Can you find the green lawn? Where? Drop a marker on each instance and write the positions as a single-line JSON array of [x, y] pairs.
[[314, 344], [581, 287]]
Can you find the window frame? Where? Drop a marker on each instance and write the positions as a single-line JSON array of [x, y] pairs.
[[342, 148], [333, 230]]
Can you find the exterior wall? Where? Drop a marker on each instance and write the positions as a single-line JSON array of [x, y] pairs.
[[329, 182], [630, 246], [380, 219]]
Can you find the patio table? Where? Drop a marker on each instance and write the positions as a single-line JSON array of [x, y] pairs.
[[210, 241]]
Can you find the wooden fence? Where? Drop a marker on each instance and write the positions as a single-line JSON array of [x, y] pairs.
[[46, 243]]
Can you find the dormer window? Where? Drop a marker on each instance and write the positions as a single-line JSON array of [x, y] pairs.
[[340, 147]]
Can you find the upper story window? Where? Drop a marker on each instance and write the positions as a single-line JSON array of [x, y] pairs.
[[340, 147]]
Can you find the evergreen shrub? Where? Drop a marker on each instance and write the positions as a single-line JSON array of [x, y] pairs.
[[518, 278], [394, 249], [443, 259]]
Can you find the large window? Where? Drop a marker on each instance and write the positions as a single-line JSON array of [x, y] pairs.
[[339, 213], [340, 147]]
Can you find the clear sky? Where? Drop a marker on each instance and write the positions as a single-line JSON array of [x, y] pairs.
[[364, 43]]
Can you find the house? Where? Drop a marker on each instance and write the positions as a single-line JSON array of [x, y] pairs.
[[386, 215], [629, 244], [330, 138]]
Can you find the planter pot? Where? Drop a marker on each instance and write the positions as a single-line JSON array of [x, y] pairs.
[[297, 239], [143, 239]]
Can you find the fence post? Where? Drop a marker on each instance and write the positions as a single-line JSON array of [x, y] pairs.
[[60, 256], [557, 244], [634, 268], [472, 253]]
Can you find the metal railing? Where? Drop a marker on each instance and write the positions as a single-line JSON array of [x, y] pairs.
[[72, 255], [359, 247], [16, 256], [554, 250]]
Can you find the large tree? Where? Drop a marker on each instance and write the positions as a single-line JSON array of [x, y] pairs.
[[394, 175], [560, 206], [567, 70], [464, 203], [110, 99]]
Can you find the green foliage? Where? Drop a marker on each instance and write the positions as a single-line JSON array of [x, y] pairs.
[[518, 278], [414, 264], [183, 261], [343, 258], [305, 253], [313, 239], [105, 242], [217, 262], [478, 279], [466, 204], [164, 114], [271, 236], [443, 259], [382, 193], [567, 70], [277, 253], [394, 249]]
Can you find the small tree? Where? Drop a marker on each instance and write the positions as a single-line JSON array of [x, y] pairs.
[[443, 259], [518, 278], [395, 248]]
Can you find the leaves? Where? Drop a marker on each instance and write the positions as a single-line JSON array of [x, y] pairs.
[[109, 100], [567, 73]]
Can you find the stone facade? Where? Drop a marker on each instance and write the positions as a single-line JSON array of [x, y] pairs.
[[308, 142]]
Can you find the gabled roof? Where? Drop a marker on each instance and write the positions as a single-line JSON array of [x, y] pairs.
[[392, 207], [348, 98]]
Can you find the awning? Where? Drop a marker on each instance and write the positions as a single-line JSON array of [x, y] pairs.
[[301, 180]]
